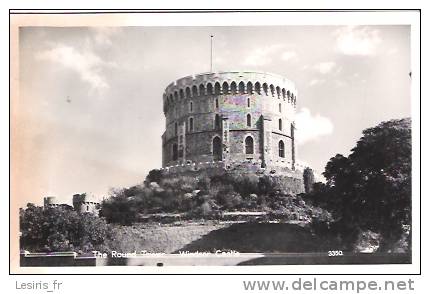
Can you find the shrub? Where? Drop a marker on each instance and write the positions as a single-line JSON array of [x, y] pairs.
[[60, 229], [154, 175]]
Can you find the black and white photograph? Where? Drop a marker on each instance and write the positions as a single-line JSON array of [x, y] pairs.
[[172, 143]]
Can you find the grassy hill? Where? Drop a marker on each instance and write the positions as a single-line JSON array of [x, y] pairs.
[[212, 236]]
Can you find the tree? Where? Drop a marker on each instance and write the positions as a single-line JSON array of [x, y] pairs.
[[154, 175], [120, 209], [60, 229], [371, 188]]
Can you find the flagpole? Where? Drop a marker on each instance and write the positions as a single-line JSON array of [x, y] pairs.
[[211, 52]]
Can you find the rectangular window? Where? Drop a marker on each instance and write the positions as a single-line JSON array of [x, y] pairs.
[[248, 120], [191, 124]]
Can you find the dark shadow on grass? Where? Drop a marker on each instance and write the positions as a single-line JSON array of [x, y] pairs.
[[257, 238], [351, 258]]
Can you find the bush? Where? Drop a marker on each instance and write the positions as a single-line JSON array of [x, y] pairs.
[[230, 200], [154, 175], [120, 209], [60, 229]]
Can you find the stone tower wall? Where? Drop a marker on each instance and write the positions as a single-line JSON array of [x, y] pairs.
[[192, 103], [83, 203]]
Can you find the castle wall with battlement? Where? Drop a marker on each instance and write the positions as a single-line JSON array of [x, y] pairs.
[[85, 203]]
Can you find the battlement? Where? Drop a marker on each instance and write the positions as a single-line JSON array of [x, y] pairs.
[[245, 166], [85, 203], [51, 201], [231, 82]]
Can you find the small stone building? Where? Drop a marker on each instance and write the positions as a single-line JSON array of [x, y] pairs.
[[81, 203], [84, 203], [51, 201]]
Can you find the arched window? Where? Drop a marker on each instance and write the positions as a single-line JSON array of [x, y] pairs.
[[258, 88], [249, 145], [225, 88], [187, 92], [216, 103], [217, 88], [278, 92], [265, 89], [202, 90], [217, 123], [248, 102], [241, 88], [191, 124], [248, 120], [281, 147], [181, 93], [191, 106], [283, 93], [280, 107], [272, 90], [233, 87], [176, 128], [209, 89], [175, 151], [194, 91], [249, 88], [217, 149], [176, 95], [288, 95], [280, 124]]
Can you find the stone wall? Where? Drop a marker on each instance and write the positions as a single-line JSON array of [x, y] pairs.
[[288, 180]]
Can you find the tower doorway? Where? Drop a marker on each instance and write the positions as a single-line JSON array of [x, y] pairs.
[[217, 149]]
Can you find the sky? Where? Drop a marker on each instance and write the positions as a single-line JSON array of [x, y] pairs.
[[89, 112]]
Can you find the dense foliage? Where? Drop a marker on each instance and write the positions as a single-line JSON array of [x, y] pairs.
[[370, 190], [204, 197], [60, 229]]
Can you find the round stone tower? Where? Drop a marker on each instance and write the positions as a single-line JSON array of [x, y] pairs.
[[230, 117], [85, 203]]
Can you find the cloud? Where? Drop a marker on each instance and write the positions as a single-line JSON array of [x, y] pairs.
[[103, 35], [352, 40], [392, 51], [311, 127], [325, 67], [288, 55], [315, 82], [339, 83], [262, 56], [83, 62]]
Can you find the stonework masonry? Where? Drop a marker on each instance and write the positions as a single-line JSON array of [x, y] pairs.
[[231, 119], [82, 203]]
